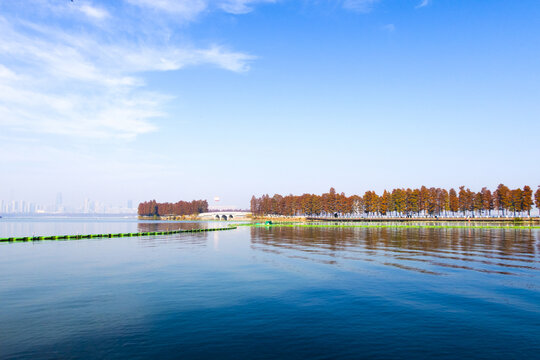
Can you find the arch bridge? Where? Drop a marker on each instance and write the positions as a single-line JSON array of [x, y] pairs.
[[224, 215]]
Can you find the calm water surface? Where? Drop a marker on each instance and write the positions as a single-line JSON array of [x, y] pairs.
[[269, 293]]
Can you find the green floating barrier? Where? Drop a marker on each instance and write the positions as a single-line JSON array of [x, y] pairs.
[[89, 236]]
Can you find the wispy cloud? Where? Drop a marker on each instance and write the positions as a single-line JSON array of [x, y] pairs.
[[6, 74], [240, 6], [423, 3], [93, 11], [90, 81], [186, 9], [389, 28], [189, 9], [362, 6]]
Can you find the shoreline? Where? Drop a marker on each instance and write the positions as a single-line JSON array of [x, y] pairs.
[[532, 220], [308, 219], [395, 226], [356, 222]]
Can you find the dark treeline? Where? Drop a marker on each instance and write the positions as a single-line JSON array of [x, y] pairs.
[[151, 208], [403, 202]]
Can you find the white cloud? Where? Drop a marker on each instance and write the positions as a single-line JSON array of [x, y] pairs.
[[240, 6], [83, 10], [189, 9], [363, 6], [6, 74], [186, 9], [233, 61], [423, 3], [91, 82], [93, 12]]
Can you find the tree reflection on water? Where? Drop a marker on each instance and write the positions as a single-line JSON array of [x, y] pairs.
[[432, 251]]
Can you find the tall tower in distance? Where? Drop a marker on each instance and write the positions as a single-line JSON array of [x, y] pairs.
[[58, 203]]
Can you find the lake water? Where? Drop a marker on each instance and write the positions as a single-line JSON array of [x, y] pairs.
[[266, 293]]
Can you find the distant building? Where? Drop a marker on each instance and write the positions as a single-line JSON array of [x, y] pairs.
[[58, 204]]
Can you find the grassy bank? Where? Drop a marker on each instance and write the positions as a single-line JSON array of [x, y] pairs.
[[169, 217], [379, 225]]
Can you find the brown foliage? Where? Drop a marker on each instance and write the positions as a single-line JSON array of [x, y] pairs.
[[151, 208], [400, 202]]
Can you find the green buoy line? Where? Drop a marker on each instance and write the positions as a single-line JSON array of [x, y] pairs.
[[94, 236]]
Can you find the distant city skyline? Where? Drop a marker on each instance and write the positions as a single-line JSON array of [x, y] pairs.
[[182, 100], [89, 206]]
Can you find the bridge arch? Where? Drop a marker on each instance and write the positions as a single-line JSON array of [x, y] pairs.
[[225, 215]]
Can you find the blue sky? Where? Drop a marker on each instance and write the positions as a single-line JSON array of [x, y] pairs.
[[143, 99]]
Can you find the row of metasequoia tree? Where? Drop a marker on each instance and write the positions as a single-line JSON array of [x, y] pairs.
[[151, 208], [403, 202]]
